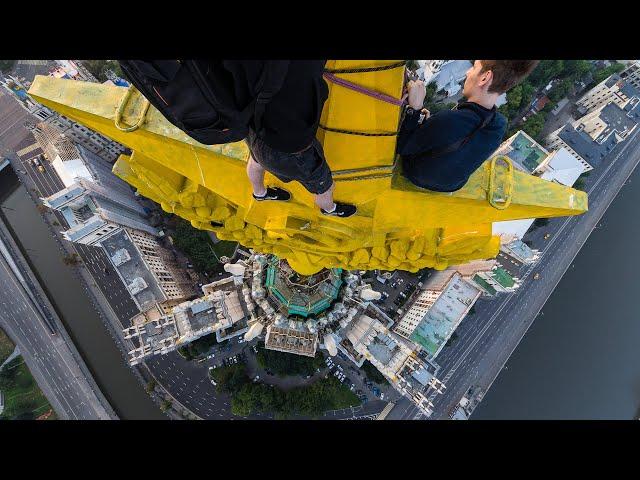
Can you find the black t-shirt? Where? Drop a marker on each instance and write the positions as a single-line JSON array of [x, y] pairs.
[[448, 172], [291, 118]]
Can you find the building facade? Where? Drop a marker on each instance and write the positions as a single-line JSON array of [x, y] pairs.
[[93, 212], [591, 138], [171, 278]]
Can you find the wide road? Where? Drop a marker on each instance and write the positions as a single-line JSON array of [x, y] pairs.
[[47, 356], [487, 338]]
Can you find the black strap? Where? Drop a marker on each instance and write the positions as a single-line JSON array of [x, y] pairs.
[[437, 152], [269, 85]]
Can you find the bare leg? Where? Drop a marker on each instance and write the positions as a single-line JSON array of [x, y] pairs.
[[325, 200], [256, 176]]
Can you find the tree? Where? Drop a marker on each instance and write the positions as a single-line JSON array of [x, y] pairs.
[[431, 91], [185, 353], [165, 405], [197, 246], [99, 68], [6, 65], [576, 69], [287, 363], [373, 373], [560, 90], [452, 339], [151, 386], [579, 185], [606, 72], [534, 125]]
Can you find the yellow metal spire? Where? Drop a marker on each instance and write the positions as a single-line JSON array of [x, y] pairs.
[[398, 226]]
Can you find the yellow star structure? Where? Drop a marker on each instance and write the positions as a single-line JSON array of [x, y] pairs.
[[398, 226]]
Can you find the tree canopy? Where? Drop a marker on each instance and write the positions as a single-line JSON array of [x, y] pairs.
[[99, 68], [287, 363], [249, 397]]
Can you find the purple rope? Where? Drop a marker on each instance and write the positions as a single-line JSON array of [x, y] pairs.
[[360, 89]]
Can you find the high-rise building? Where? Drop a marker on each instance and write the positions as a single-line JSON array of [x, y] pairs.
[[95, 202], [396, 358], [445, 301], [156, 334], [618, 88], [94, 212], [591, 138], [148, 270], [89, 139]]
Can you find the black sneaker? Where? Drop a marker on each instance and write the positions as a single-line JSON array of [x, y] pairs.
[[274, 193], [342, 210]]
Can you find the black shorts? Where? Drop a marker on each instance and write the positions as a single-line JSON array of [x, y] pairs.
[[308, 167]]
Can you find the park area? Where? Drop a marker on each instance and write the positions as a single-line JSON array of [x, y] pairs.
[[22, 399]]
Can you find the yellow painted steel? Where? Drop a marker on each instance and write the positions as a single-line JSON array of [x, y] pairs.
[[398, 226]]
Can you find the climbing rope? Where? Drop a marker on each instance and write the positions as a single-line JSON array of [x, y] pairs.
[[330, 76], [365, 91], [361, 134]]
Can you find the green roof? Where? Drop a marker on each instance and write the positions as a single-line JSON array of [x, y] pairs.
[[484, 284], [503, 278], [297, 302]]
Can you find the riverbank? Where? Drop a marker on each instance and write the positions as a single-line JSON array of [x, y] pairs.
[[78, 310]]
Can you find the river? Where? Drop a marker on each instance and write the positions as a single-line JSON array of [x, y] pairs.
[[580, 359], [65, 291]]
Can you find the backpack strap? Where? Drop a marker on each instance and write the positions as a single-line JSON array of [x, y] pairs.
[[269, 84], [436, 152]]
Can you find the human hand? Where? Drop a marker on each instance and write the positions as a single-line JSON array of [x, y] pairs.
[[416, 92]]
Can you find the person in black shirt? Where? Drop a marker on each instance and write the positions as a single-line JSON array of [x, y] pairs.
[[440, 152], [286, 145]]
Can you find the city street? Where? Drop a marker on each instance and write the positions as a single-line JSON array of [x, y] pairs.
[[487, 338], [48, 356]]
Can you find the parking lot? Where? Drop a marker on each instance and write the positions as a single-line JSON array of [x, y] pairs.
[[396, 290], [356, 380]]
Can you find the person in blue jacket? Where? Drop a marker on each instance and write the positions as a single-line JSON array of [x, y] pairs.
[[439, 152]]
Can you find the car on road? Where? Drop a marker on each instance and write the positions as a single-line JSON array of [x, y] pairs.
[[547, 235], [536, 276]]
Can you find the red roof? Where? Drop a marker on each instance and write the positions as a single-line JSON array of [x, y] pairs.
[[541, 103]]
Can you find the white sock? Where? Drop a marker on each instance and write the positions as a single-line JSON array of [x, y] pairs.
[[332, 210], [263, 194]]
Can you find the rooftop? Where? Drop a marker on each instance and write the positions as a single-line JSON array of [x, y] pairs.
[[291, 341], [616, 119], [562, 167], [484, 285], [298, 295], [585, 146], [524, 151], [446, 313], [503, 278], [132, 269], [521, 249]]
